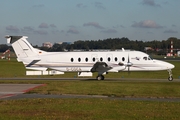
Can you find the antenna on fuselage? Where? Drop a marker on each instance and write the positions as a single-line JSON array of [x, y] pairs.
[[123, 49]]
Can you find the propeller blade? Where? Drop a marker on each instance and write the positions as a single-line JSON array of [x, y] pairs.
[[128, 70], [128, 59], [128, 65]]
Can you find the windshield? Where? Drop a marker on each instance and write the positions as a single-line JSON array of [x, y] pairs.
[[147, 58], [150, 58]]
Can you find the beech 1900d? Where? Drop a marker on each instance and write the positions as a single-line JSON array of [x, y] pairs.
[[100, 62]]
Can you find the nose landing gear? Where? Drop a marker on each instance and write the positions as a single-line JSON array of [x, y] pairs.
[[170, 78]]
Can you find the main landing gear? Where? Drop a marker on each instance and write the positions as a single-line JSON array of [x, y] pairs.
[[170, 78], [100, 77]]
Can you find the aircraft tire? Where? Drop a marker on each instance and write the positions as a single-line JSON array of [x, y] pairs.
[[100, 77], [170, 78]]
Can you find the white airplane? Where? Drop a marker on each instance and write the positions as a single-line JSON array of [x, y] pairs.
[[101, 62]]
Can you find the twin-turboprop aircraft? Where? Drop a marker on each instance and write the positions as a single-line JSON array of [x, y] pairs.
[[101, 62]]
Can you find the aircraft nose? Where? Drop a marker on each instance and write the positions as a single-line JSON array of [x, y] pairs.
[[170, 66], [165, 65]]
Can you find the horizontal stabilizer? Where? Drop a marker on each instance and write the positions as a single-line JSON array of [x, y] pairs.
[[32, 63], [12, 39]]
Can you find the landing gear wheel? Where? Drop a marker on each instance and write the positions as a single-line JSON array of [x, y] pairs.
[[100, 77], [170, 78]]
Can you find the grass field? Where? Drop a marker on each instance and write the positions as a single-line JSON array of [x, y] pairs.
[[94, 108], [88, 109]]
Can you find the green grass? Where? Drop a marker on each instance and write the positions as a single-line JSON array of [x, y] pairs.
[[11, 68], [88, 109], [112, 88]]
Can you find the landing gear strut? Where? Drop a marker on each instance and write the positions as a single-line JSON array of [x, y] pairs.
[[170, 78], [100, 77]]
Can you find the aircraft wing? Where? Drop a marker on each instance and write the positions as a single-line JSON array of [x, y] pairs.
[[106, 67], [100, 66]]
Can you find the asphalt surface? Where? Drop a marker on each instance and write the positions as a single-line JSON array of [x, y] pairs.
[[10, 90]]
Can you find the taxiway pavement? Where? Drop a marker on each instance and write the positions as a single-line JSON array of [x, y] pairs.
[[9, 90]]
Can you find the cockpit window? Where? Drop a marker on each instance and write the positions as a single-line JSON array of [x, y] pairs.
[[147, 58], [144, 58], [150, 58]]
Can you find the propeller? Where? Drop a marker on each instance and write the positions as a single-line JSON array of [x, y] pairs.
[[128, 64]]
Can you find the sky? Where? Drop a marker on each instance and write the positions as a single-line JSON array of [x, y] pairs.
[[71, 20]]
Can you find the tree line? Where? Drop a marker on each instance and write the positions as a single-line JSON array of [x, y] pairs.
[[155, 46]]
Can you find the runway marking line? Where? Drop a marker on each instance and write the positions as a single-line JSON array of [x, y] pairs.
[[7, 95], [24, 91]]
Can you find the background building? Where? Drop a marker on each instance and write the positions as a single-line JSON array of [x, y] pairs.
[[47, 44]]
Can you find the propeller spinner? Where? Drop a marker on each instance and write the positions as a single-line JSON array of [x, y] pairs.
[[128, 64]]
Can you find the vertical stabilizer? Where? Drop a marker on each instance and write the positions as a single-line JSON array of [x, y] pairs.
[[21, 46]]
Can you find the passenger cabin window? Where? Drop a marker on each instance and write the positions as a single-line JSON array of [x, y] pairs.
[[101, 59], [109, 59], [72, 59], [79, 59], [115, 59], [93, 59], [86, 59], [123, 59]]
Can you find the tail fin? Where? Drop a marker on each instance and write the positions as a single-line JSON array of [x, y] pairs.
[[21, 46], [25, 52]]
